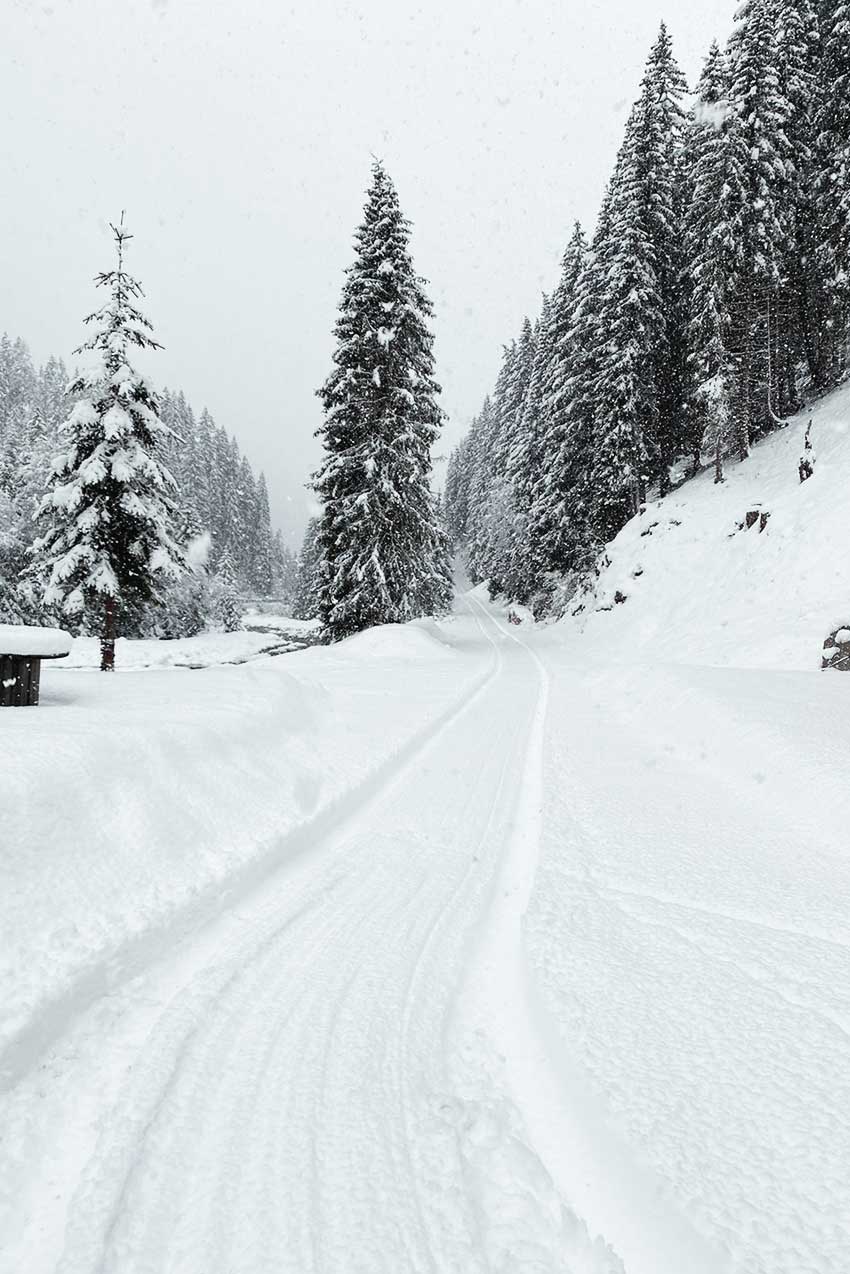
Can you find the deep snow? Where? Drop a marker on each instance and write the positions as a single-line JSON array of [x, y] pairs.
[[150, 792], [701, 590], [461, 947]]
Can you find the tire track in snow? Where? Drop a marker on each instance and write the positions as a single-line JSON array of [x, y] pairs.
[[109, 975], [582, 1159], [296, 1001]]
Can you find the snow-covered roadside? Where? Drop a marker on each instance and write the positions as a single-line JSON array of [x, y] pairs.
[[689, 951], [261, 634], [700, 588], [133, 805]]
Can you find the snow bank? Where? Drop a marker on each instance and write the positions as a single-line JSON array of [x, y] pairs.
[[133, 801], [47, 643], [688, 582], [202, 651], [414, 641]]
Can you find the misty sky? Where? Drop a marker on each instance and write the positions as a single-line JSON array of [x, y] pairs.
[[238, 135]]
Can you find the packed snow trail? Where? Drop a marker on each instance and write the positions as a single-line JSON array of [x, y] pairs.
[[277, 1094], [557, 987]]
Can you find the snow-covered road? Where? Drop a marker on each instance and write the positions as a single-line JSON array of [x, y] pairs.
[[559, 987], [288, 1090]]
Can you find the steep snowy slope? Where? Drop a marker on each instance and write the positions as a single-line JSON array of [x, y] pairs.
[[700, 590]]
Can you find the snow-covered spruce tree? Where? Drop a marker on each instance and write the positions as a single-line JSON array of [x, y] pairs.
[[631, 327], [481, 483], [509, 397], [261, 535], [637, 399], [710, 252], [109, 504], [832, 183], [456, 496], [309, 578], [560, 510], [528, 562], [805, 332], [225, 598], [284, 572], [756, 207], [382, 548], [662, 191], [497, 531]]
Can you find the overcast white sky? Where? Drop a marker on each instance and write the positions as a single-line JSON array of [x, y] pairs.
[[238, 136]]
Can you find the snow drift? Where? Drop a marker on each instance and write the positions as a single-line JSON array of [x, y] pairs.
[[134, 803], [690, 583]]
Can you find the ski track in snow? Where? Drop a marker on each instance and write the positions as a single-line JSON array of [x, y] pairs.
[[288, 1090], [689, 945], [559, 988]]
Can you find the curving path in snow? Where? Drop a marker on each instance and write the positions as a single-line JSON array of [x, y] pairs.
[[560, 987], [289, 1089]]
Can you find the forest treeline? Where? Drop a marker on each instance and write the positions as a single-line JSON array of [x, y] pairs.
[[713, 293], [216, 493]]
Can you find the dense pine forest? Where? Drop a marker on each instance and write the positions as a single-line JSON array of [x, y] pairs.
[[710, 302], [216, 493]]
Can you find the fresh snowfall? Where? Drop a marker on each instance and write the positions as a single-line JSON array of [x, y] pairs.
[[468, 893], [454, 946]]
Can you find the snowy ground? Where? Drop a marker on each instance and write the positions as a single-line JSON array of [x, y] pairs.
[[262, 634], [701, 590], [460, 948]]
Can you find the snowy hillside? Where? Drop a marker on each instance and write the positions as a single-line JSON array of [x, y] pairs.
[[699, 589]]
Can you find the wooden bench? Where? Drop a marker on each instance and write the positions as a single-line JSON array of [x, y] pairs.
[[21, 652]]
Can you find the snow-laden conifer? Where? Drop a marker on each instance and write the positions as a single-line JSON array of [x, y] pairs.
[[711, 256], [832, 183], [526, 460], [109, 504], [225, 597], [383, 550], [757, 206], [640, 413], [309, 578]]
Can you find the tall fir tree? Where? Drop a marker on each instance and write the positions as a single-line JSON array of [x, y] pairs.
[[567, 406], [641, 404], [711, 255], [528, 563], [832, 184], [803, 334], [660, 155], [261, 564], [225, 597], [308, 584], [757, 208], [630, 331], [382, 547], [110, 502]]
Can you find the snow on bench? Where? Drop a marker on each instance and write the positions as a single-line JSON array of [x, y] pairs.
[[21, 651]]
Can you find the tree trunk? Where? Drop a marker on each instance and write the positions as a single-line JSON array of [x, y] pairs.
[[107, 640], [718, 460]]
